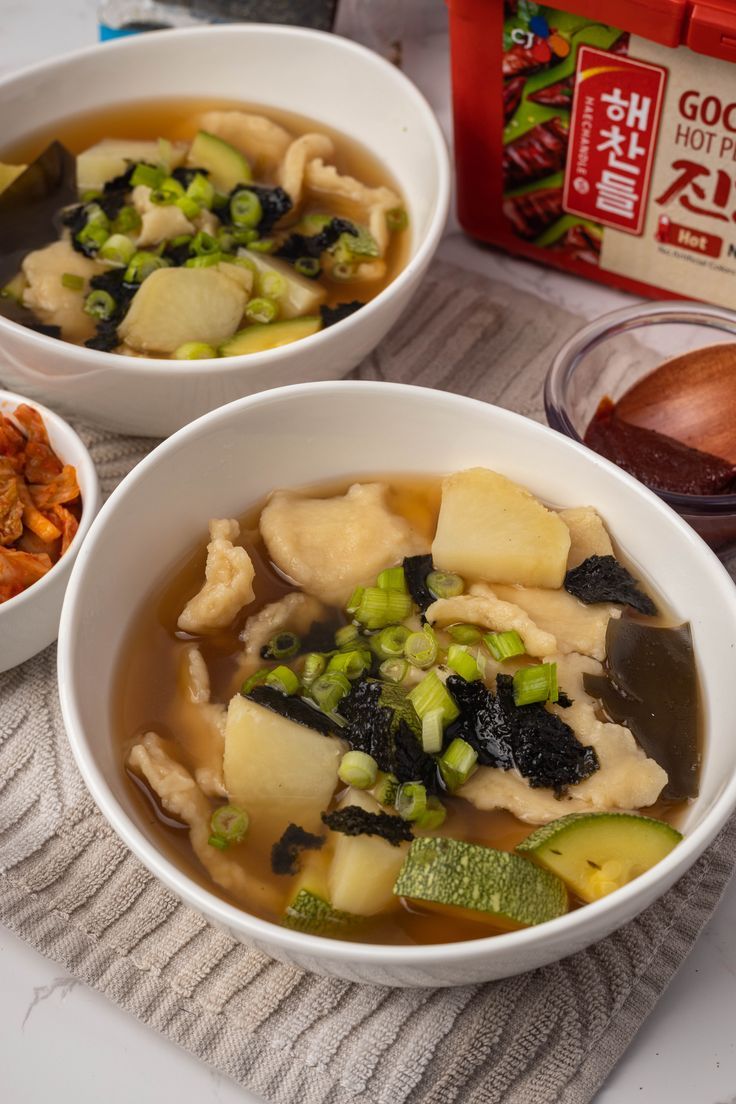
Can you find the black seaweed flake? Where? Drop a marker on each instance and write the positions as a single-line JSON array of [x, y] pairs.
[[383, 723], [106, 332], [416, 570], [295, 709], [285, 852], [538, 743], [115, 192], [177, 254], [185, 176], [314, 245], [275, 203], [563, 700], [331, 315], [604, 579], [353, 821]]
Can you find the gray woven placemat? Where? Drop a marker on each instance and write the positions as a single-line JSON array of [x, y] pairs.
[[69, 887]]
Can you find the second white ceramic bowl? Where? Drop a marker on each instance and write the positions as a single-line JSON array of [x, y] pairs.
[[325, 77], [229, 460], [30, 621]]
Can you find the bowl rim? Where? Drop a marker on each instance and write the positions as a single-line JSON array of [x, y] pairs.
[[139, 365], [264, 932], [625, 320], [90, 498]]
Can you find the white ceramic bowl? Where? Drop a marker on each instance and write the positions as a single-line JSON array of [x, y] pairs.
[[30, 621], [318, 432], [325, 77]]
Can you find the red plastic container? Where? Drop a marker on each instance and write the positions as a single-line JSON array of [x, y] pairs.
[[599, 136]]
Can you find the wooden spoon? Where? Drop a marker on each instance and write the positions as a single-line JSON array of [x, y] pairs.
[[691, 398]]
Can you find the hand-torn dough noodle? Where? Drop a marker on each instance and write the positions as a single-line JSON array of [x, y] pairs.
[[228, 584], [577, 627], [292, 169], [480, 606], [297, 612], [367, 203]]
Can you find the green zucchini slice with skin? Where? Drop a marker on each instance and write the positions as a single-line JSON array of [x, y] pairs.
[[225, 164], [497, 886], [597, 853], [258, 338], [311, 913]]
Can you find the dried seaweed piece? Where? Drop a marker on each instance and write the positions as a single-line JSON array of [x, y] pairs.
[[298, 710], [558, 94], [604, 579], [416, 570], [353, 821], [331, 315], [533, 212], [314, 245], [512, 91], [29, 207], [106, 332], [275, 203], [482, 723], [538, 152], [285, 852]]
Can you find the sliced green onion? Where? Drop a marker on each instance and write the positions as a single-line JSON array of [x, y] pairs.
[[206, 260], [283, 679], [255, 680], [271, 285], [536, 684], [308, 266], [284, 645], [229, 823], [262, 310], [431, 693], [203, 244], [188, 206], [393, 578], [352, 664], [379, 607], [386, 788], [100, 304], [262, 245], [358, 769], [142, 264], [218, 842], [421, 648], [90, 195], [148, 175], [195, 350], [462, 663], [165, 153], [245, 209], [394, 670], [432, 731], [342, 271], [201, 191], [504, 645], [96, 216], [389, 642], [314, 665], [329, 689], [226, 240], [245, 237], [397, 219], [127, 221], [355, 599], [411, 800], [118, 249], [313, 224], [69, 280], [219, 200], [94, 233], [457, 763], [433, 816], [464, 634], [347, 635], [165, 195], [245, 262], [445, 584]]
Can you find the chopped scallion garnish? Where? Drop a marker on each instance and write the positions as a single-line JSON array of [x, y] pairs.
[[194, 350], [462, 662], [188, 206], [431, 693], [246, 209], [262, 245], [118, 249], [314, 665], [342, 271], [127, 221], [283, 679], [421, 648], [355, 599], [308, 266], [100, 304], [142, 264], [457, 763], [445, 584], [228, 824], [351, 664], [393, 578], [201, 191], [270, 285], [385, 788], [389, 642], [329, 689], [536, 684], [397, 219], [433, 731], [464, 634], [504, 645], [262, 310], [394, 670], [283, 645], [358, 769], [203, 243], [379, 607], [148, 175], [346, 636], [411, 800], [433, 816], [206, 260], [255, 679], [69, 280]]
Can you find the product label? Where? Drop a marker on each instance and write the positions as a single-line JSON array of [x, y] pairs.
[[612, 138]]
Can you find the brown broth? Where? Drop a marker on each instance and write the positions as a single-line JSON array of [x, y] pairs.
[[145, 696], [175, 120]]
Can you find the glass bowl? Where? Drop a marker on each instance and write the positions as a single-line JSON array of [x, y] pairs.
[[609, 355]]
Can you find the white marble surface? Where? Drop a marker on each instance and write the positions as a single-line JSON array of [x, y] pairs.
[[59, 1041]]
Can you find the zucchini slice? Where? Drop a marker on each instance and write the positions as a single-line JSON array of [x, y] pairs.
[[271, 335]]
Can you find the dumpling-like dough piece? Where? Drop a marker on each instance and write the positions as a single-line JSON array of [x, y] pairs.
[[480, 606], [158, 222], [329, 546], [626, 780], [357, 200], [588, 536], [228, 582], [577, 627], [292, 168], [47, 297], [294, 611], [200, 722]]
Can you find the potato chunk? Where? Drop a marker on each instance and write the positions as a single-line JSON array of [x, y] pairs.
[[52, 302], [280, 771], [490, 528], [364, 868], [329, 546], [176, 305]]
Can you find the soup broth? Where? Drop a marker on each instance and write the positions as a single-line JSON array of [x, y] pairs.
[[149, 699]]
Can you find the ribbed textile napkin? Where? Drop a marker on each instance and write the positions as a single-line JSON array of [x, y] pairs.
[[71, 889]]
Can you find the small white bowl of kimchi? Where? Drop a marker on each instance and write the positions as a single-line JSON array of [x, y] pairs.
[[49, 495]]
